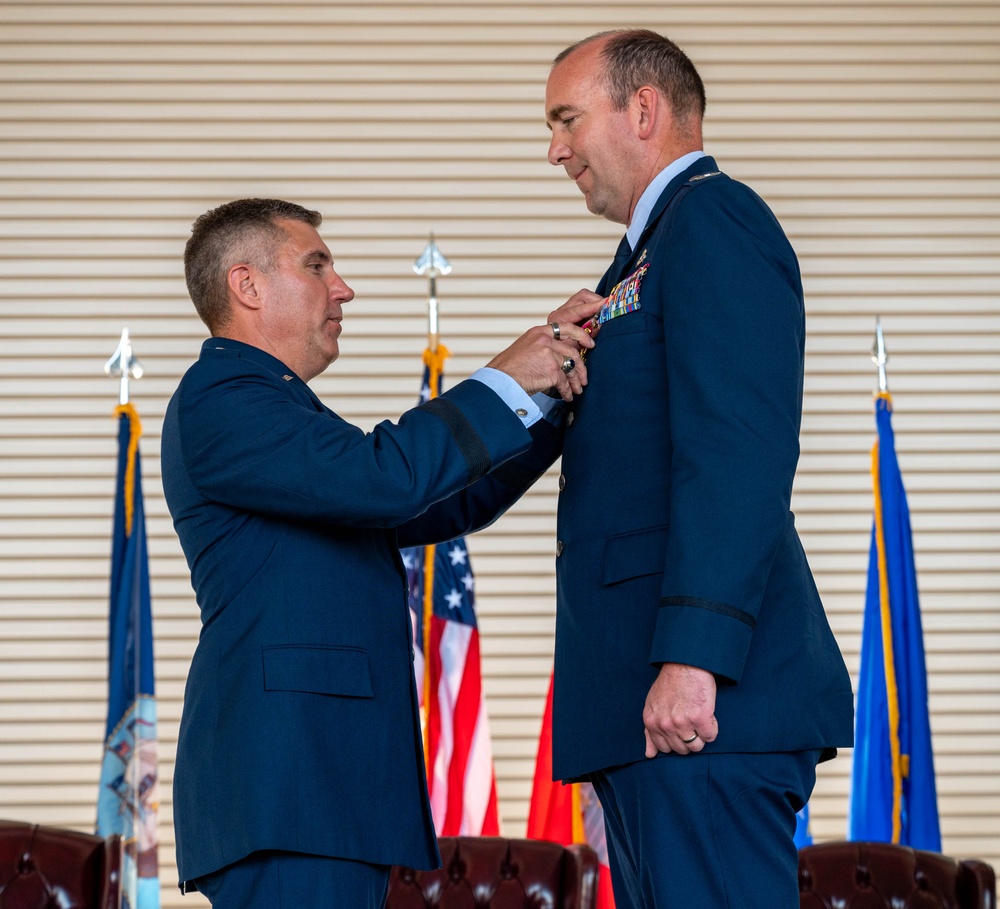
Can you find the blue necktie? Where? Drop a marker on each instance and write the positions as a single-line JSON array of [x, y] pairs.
[[623, 252], [614, 272]]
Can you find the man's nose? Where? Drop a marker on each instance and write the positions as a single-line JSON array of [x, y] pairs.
[[340, 291], [558, 152]]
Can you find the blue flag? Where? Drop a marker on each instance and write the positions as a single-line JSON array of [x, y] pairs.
[[803, 835], [893, 795], [128, 798]]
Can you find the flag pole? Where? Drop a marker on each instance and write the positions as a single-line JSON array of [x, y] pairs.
[[124, 365], [430, 264]]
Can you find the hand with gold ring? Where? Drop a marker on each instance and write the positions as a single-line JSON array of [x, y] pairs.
[[679, 713]]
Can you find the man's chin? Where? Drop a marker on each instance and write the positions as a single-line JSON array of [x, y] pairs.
[[598, 208]]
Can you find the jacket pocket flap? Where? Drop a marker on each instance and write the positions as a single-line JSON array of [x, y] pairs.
[[318, 669], [625, 324], [634, 554]]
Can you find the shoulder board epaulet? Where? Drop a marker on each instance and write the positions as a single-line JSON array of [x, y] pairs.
[[697, 177]]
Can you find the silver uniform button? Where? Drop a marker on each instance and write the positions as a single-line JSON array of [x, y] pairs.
[[570, 418], [559, 548], [562, 482]]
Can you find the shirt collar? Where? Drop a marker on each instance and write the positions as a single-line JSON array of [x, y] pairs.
[[652, 192]]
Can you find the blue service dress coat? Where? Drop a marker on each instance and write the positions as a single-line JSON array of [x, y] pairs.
[[676, 542], [300, 728]]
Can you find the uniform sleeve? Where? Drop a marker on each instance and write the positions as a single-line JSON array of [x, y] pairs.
[[480, 504], [734, 328], [250, 443]]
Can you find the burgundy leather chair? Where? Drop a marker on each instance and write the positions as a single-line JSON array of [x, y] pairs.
[[841, 875], [51, 868], [492, 872]]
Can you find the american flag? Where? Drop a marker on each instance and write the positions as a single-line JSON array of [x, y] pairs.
[[460, 774]]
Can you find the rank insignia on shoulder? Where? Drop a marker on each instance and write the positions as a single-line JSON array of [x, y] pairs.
[[287, 378], [624, 297], [696, 177]]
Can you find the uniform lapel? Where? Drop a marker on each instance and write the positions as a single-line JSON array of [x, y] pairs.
[[624, 256]]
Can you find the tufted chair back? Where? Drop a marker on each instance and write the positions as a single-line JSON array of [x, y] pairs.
[[842, 875], [51, 868], [492, 872]]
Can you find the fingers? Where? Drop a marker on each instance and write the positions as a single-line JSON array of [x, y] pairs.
[[682, 737], [576, 319], [651, 749], [580, 337], [568, 342], [572, 372], [536, 359], [676, 743], [578, 308], [710, 730], [679, 714], [550, 357]]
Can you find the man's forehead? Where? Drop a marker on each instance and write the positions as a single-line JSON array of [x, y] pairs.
[[304, 239], [584, 60], [570, 79]]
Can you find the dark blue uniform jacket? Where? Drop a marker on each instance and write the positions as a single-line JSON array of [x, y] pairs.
[[676, 539]]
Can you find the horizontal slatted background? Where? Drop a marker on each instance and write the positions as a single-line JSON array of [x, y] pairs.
[[872, 130]]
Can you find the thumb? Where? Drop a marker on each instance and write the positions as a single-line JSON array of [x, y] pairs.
[[711, 730], [651, 749]]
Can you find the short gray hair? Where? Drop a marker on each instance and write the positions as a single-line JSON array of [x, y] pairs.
[[245, 230]]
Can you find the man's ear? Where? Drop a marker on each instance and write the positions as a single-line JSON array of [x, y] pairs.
[[646, 108], [243, 288]]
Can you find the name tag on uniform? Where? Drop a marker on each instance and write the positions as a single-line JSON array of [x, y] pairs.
[[624, 297]]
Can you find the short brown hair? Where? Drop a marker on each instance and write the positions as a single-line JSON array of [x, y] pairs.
[[245, 230], [637, 57]]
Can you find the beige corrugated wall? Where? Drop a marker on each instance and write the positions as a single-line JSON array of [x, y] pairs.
[[872, 130]]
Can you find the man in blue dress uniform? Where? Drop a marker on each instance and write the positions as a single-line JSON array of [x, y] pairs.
[[697, 681], [300, 778]]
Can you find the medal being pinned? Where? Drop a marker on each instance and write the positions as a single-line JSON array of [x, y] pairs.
[[624, 297]]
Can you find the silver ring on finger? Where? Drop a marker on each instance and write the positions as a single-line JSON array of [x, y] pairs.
[[555, 330], [694, 735], [568, 365]]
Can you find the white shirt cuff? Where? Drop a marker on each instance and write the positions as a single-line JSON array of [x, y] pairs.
[[515, 397]]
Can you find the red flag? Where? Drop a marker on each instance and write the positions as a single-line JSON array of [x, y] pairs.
[[567, 814]]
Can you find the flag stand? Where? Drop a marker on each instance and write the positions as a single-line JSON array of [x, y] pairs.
[[430, 264], [127, 802], [893, 790], [458, 757]]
